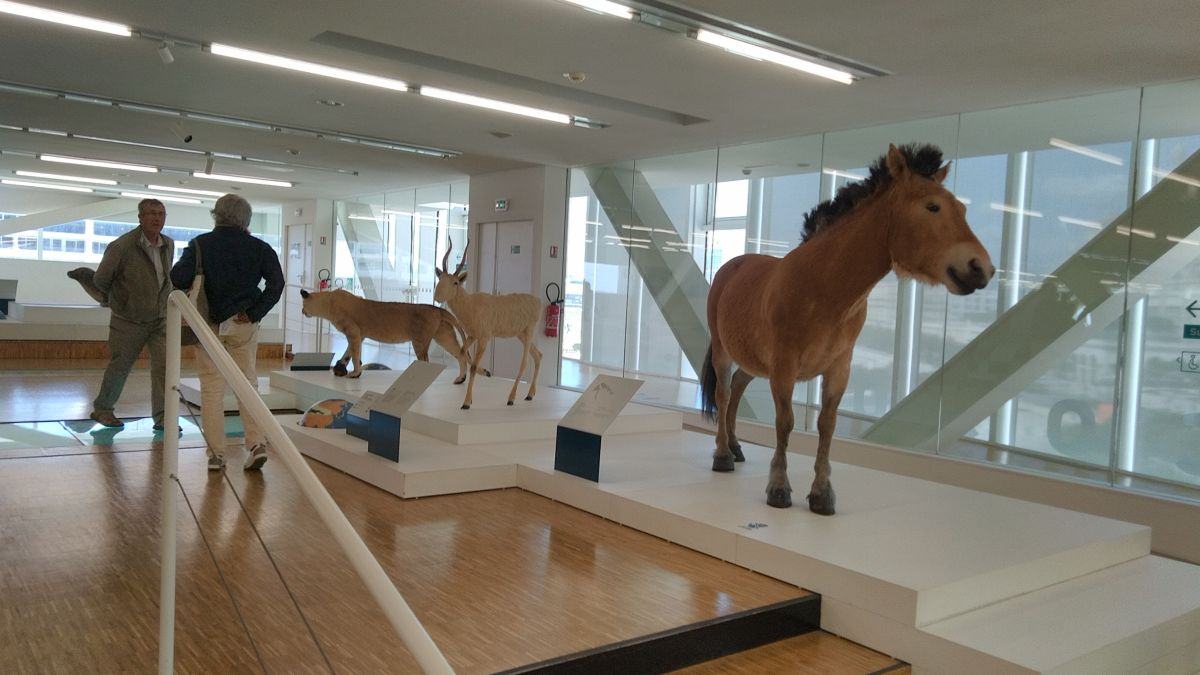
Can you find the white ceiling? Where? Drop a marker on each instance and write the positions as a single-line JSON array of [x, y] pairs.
[[946, 56]]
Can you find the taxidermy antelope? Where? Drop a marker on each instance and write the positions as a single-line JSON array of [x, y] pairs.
[[392, 322], [485, 316], [797, 317]]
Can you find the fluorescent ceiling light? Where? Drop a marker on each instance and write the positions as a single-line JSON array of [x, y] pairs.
[[492, 104], [307, 67], [1017, 210], [98, 162], [1081, 222], [165, 198], [50, 186], [842, 174], [64, 18], [242, 179], [763, 54], [1087, 152], [189, 191], [605, 7], [57, 176]]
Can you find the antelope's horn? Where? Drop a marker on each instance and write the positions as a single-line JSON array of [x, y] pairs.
[[463, 263], [446, 258]]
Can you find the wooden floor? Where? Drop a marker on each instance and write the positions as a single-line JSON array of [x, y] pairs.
[[500, 579]]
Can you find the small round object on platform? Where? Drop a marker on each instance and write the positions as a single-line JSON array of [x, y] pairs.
[[327, 414], [376, 366]]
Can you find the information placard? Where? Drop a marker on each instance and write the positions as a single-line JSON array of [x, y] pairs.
[[408, 388], [599, 404]]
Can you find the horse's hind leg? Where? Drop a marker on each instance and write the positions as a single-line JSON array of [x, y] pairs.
[[723, 457], [741, 379], [356, 355], [421, 349], [339, 368], [779, 490], [526, 341], [833, 384]]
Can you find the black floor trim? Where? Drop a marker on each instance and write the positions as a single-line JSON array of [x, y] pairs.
[[688, 645]]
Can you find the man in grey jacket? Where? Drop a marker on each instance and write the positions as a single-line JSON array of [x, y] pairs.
[[135, 274]]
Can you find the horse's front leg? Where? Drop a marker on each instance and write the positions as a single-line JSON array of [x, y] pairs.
[[821, 498], [779, 490], [339, 367]]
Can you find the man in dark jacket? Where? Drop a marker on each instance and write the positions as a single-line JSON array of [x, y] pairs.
[[133, 273], [233, 262]]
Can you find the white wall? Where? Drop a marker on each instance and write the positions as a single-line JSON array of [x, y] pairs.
[[537, 194]]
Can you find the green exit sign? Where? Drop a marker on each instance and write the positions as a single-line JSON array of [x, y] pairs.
[[1191, 331]]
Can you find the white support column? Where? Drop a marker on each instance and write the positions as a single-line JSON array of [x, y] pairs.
[[1134, 331], [904, 360], [1012, 252], [170, 466]]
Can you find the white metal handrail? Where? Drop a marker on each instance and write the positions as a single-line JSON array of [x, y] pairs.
[[410, 630]]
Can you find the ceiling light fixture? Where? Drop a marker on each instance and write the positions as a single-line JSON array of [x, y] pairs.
[[74, 20], [1087, 152], [48, 186], [164, 53], [753, 51], [242, 179], [165, 198], [57, 176], [605, 7], [492, 104], [188, 191], [98, 162], [306, 67]]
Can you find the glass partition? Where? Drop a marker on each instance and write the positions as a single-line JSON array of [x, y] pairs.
[[1082, 357]]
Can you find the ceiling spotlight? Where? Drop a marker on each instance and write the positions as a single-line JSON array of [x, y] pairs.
[[164, 53], [208, 165], [330, 102], [292, 151], [575, 76]]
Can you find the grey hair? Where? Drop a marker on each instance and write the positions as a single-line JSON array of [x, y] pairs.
[[232, 211]]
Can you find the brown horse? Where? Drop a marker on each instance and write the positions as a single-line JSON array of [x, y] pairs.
[[796, 317]]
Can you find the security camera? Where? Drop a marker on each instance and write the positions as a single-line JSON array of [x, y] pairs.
[[181, 132]]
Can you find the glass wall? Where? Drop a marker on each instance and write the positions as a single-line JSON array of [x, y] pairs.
[[388, 244], [1081, 357]]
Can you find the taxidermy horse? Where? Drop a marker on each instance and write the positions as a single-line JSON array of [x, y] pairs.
[[793, 318], [391, 322]]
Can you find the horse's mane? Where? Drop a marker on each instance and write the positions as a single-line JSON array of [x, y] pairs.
[[923, 160]]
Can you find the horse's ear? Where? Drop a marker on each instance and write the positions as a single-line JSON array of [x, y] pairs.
[[940, 174], [304, 293], [462, 276], [437, 271], [895, 161]]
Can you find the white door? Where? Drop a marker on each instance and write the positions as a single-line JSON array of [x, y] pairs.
[[506, 266], [298, 331]]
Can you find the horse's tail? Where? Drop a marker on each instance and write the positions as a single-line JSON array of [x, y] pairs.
[[460, 331], [708, 387]]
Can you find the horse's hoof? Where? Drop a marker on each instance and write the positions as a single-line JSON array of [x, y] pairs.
[[466, 407], [460, 380], [354, 376], [487, 372], [339, 369], [736, 449], [722, 463], [821, 504], [528, 398], [510, 402], [780, 498]]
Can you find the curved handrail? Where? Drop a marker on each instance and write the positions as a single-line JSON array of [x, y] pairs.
[[410, 630]]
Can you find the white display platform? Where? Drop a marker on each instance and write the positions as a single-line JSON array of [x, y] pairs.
[[276, 399], [438, 412], [948, 579]]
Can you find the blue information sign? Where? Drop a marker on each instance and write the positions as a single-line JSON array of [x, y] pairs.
[[1191, 331]]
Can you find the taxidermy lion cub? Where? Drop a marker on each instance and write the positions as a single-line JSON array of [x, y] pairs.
[[391, 322]]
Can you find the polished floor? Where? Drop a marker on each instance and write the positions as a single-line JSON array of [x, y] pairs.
[[500, 578]]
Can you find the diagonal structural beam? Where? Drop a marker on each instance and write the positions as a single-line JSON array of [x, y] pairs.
[[1083, 296], [68, 214]]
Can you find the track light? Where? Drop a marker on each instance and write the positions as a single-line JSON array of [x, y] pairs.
[[208, 164], [492, 104], [752, 51], [306, 67], [164, 53]]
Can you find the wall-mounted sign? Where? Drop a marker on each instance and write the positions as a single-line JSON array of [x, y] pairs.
[[1189, 362], [501, 204], [1192, 309], [515, 249], [1191, 331]]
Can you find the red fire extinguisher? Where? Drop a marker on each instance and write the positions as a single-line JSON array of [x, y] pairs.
[[553, 310]]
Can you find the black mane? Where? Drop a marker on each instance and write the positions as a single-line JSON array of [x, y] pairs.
[[923, 160]]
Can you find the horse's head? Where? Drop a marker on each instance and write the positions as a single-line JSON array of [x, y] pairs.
[[450, 284], [317, 304], [929, 238]]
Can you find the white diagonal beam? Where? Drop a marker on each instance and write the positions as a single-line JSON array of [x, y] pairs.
[[67, 214]]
